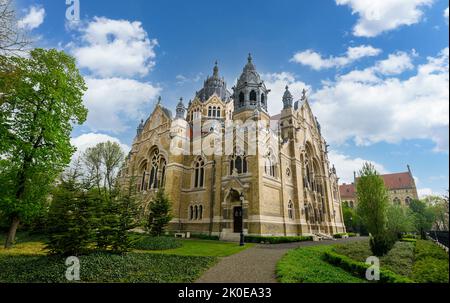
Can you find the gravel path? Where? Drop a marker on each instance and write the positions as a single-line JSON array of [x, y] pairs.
[[256, 264]]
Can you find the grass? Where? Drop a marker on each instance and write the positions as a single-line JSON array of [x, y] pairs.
[[193, 247], [431, 265], [28, 262], [399, 260], [156, 243], [305, 265]]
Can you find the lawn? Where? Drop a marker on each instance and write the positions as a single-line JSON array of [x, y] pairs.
[[400, 258], [305, 265], [28, 262], [209, 248]]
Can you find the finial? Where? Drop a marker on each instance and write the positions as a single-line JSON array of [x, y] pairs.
[[250, 58], [159, 100], [304, 94], [287, 87], [216, 69]]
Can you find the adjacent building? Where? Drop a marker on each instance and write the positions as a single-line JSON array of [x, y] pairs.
[[401, 189]]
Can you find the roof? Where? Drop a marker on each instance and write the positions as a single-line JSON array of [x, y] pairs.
[[391, 181], [398, 180], [347, 191]]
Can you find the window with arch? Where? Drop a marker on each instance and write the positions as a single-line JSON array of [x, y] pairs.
[[396, 201], [263, 99], [291, 210], [241, 99], [157, 171], [239, 163], [143, 174], [199, 173], [408, 200], [253, 97], [195, 212], [270, 166]]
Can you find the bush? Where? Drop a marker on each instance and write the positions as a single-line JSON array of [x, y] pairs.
[[340, 236], [159, 215], [205, 237], [431, 264], [381, 244], [156, 243], [408, 240], [359, 268], [351, 235], [276, 240]]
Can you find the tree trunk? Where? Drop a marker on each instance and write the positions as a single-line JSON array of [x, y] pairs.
[[12, 232]]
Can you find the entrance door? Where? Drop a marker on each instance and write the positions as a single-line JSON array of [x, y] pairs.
[[237, 219]]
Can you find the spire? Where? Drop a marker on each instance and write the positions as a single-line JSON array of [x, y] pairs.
[[180, 109], [287, 99], [250, 66], [140, 127], [250, 59], [216, 70]]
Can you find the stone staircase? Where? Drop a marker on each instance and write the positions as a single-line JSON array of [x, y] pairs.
[[322, 236]]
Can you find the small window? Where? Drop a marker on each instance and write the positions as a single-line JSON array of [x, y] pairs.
[[253, 97], [241, 99], [263, 99], [291, 210]]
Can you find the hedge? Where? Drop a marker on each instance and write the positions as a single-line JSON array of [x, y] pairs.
[[431, 264], [276, 240], [359, 268], [205, 237], [340, 236]]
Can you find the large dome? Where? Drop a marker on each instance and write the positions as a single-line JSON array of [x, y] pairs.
[[214, 85]]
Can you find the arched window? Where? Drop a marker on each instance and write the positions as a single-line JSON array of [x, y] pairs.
[[239, 163], [199, 175], [241, 99], [200, 212], [143, 170], [219, 112], [291, 210], [253, 97], [263, 99], [408, 200], [196, 212], [270, 166], [352, 205], [191, 212], [157, 171]]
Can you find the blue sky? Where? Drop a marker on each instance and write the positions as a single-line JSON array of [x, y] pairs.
[[376, 71]]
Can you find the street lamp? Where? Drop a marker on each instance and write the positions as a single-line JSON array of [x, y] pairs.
[[241, 242]]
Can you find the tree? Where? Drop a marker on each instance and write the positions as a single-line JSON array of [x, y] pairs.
[[159, 214], [12, 40], [440, 208], [399, 220], [103, 162], [353, 221], [372, 206], [423, 217], [37, 113], [71, 227]]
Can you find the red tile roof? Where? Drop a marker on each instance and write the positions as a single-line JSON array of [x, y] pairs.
[[391, 181], [347, 191]]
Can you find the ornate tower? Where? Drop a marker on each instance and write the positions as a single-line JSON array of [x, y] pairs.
[[181, 110], [250, 92]]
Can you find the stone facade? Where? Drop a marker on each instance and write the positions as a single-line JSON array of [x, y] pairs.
[[401, 189], [282, 185]]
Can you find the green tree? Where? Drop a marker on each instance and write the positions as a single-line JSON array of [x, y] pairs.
[[353, 221], [399, 220], [159, 214], [423, 217], [372, 206], [71, 227], [37, 112]]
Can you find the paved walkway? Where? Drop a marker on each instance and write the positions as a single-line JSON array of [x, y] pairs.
[[256, 264]]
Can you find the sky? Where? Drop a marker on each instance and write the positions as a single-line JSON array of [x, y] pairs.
[[376, 71]]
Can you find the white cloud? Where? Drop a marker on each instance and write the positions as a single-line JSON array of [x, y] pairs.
[[111, 101], [395, 64], [277, 83], [85, 141], [446, 14], [424, 192], [115, 48], [369, 107], [317, 62], [377, 16], [346, 166], [33, 19]]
